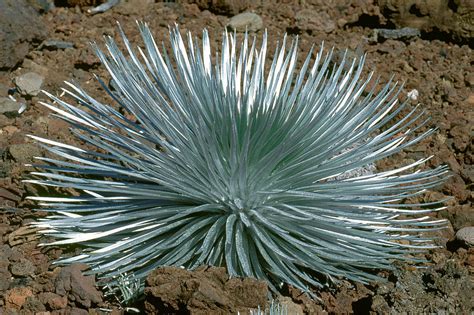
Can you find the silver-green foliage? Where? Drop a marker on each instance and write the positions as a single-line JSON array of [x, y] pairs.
[[125, 288], [230, 164], [274, 309]]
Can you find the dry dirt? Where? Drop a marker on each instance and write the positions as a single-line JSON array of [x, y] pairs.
[[438, 63]]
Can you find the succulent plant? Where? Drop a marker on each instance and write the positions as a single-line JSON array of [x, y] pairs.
[[275, 308], [218, 159]]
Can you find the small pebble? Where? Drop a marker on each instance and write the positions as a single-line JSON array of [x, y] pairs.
[[466, 235], [246, 21], [29, 83], [399, 33], [104, 7], [52, 44], [9, 107], [413, 94]]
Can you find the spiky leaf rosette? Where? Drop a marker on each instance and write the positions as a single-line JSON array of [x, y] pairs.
[[229, 164]]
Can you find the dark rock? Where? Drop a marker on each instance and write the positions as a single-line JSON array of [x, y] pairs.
[[203, 291], [80, 288], [22, 268], [20, 30], [399, 33]]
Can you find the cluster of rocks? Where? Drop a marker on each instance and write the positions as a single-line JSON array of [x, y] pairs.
[[30, 284]]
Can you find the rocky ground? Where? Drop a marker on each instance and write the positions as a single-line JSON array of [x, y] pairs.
[[44, 43]]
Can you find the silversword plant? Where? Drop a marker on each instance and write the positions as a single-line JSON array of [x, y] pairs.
[[227, 162]]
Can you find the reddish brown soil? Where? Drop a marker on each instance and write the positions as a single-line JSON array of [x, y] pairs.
[[439, 65]]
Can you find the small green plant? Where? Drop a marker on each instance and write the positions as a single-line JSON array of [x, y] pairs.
[[126, 289], [226, 163]]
